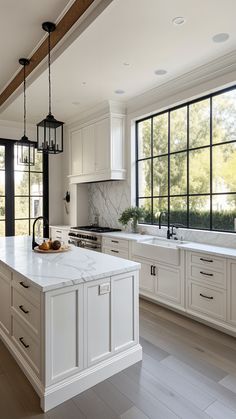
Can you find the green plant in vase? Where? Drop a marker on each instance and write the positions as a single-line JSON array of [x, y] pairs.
[[133, 214]]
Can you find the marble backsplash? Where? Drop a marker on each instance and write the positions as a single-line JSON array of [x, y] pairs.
[[109, 199]]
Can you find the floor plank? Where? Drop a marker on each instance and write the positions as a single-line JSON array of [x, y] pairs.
[[117, 401], [219, 411], [216, 390], [93, 407], [134, 413], [229, 382]]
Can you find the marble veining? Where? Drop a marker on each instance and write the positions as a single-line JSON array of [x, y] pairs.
[[108, 200], [56, 270]]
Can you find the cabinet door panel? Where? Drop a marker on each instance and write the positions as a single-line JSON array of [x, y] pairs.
[[98, 325], [232, 294], [63, 333], [88, 149], [169, 284], [76, 153], [5, 299], [147, 282], [102, 145], [123, 311]]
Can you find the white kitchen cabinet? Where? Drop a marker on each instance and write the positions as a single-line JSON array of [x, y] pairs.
[[102, 145], [97, 149], [115, 247], [5, 297], [59, 233], [160, 282], [68, 339], [88, 153], [76, 149], [110, 317]]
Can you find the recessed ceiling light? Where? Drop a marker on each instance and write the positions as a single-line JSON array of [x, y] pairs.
[[160, 72], [84, 83], [126, 64], [220, 37], [179, 20], [119, 92]]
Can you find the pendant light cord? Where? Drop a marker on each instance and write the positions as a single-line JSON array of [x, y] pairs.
[[49, 72], [24, 104]]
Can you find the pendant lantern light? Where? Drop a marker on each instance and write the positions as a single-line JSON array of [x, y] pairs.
[[49, 131], [25, 147]]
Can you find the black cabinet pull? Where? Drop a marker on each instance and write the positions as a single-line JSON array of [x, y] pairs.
[[154, 270], [114, 241], [151, 269], [206, 260], [205, 273], [114, 251], [206, 296], [23, 285], [23, 343], [22, 309]]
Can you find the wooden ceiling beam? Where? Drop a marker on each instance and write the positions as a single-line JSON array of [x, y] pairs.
[[77, 9]]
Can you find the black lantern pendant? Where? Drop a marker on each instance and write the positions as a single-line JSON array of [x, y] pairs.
[[25, 147], [49, 131]]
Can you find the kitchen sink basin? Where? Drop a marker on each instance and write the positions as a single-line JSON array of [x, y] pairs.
[[160, 242], [158, 249]]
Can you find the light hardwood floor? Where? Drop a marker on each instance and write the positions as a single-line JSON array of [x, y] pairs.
[[188, 371]]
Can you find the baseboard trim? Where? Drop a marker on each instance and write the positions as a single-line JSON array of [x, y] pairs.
[[72, 386]]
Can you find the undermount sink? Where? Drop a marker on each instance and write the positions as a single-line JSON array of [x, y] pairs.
[[158, 249]]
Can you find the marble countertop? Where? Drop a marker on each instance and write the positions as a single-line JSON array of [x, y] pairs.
[[61, 227], [208, 248], [57, 270], [127, 236]]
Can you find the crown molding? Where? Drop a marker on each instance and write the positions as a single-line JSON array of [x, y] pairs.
[[221, 67]]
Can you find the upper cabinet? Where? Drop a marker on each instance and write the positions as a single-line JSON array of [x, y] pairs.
[[97, 149]]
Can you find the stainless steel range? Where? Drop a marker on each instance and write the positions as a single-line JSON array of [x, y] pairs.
[[89, 237]]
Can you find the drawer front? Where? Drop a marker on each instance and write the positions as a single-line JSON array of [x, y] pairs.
[[208, 301], [23, 285], [113, 243], [29, 313], [120, 253], [25, 342], [207, 275], [208, 261], [57, 234]]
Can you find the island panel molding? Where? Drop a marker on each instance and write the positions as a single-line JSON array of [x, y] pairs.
[[68, 334]]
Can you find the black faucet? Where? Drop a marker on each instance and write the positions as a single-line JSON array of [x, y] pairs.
[[159, 219], [172, 232], [34, 243]]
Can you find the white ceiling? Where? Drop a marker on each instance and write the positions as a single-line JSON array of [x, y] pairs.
[[21, 31], [137, 32]]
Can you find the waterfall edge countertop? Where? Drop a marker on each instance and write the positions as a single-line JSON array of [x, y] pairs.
[[57, 270]]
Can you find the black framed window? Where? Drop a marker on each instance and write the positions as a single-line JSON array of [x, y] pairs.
[[186, 163], [23, 191]]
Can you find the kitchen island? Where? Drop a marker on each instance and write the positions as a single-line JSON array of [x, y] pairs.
[[69, 319]]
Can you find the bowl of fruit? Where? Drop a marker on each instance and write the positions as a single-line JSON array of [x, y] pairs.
[[51, 246]]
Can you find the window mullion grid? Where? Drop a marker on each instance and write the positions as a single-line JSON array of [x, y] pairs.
[[211, 163], [168, 214], [188, 166], [152, 170]]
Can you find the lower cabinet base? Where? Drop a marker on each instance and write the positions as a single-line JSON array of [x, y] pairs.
[[70, 387], [58, 393], [201, 318]]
